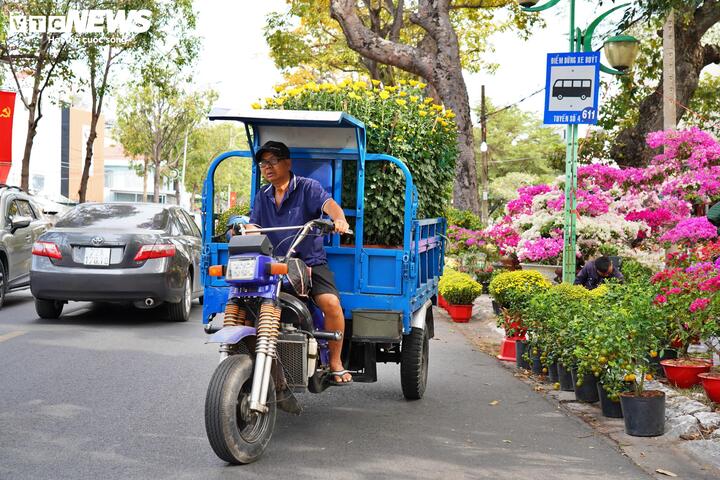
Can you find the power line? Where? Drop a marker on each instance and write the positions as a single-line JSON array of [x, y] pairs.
[[516, 103]]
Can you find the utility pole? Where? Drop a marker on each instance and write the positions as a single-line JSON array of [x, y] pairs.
[[484, 171], [669, 88]]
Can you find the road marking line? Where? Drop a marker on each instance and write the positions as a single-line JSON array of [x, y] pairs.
[[11, 335]]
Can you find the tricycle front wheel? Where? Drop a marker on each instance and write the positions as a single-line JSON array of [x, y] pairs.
[[237, 434], [414, 363]]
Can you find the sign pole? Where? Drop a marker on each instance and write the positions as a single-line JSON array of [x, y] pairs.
[[570, 182]]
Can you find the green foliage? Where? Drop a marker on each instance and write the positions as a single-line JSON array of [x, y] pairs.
[[622, 337], [222, 219], [636, 272], [205, 143], [305, 37], [608, 250], [612, 332], [400, 122], [619, 110], [519, 142], [459, 288], [513, 290], [463, 219], [153, 119], [705, 105]]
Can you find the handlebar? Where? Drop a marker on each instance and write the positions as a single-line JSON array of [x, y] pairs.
[[326, 226]]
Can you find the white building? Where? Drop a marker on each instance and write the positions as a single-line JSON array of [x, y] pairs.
[[123, 184]]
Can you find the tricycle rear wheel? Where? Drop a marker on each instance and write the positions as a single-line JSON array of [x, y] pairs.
[[236, 434], [414, 359]]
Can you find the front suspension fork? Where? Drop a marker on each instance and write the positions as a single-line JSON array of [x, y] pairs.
[[268, 329]]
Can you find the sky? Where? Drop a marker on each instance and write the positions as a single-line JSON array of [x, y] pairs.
[[235, 60]]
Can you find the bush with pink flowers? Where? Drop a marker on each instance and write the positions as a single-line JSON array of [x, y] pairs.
[[650, 206]]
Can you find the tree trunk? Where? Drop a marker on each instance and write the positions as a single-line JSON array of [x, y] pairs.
[[34, 114], [157, 180], [450, 87], [437, 60], [82, 192], [98, 94], [630, 148], [29, 138], [145, 175]]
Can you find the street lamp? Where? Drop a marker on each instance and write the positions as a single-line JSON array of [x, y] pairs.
[[621, 52]]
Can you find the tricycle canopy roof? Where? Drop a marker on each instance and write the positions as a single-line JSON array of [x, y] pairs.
[[298, 128]]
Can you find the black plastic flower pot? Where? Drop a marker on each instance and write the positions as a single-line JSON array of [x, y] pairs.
[[496, 307], [565, 379], [553, 375], [521, 346], [585, 387], [645, 414], [610, 408], [537, 367]]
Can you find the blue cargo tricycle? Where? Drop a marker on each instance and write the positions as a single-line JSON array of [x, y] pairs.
[[273, 342]]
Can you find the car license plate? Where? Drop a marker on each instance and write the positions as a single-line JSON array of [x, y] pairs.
[[97, 256]]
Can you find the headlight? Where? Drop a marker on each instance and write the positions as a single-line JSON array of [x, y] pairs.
[[241, 268]]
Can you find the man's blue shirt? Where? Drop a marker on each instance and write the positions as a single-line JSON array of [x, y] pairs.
[[303, 201]]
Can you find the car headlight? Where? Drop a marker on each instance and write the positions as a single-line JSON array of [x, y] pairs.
[[241, 268]]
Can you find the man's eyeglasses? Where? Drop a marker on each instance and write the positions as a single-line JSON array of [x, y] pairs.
[[269, 163]]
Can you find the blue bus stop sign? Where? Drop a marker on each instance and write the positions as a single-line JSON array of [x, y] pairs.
[[571, 90]]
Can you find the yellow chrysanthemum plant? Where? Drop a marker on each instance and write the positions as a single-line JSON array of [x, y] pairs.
[[400, 121], [459, 288], [513, 291]]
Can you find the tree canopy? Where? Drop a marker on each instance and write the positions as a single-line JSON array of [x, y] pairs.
[[305, 37]]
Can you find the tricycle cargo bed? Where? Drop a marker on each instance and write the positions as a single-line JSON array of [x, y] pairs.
[[400, 280]]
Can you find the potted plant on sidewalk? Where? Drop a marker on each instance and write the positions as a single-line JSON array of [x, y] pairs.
[[513, 291], [685, 297], [460, 291], [634, 328]]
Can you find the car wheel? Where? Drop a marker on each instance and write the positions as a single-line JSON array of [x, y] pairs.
[[48, 308], [3, 283], [180, 311]]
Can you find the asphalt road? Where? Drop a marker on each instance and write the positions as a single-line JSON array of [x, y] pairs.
[[115, 393]]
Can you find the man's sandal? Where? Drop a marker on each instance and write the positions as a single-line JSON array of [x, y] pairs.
[[331, 378]]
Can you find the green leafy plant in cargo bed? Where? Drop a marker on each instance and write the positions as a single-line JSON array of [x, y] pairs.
[[401, 122], [239, 209]]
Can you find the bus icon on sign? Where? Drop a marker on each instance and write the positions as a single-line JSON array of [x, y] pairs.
[[572, 88]]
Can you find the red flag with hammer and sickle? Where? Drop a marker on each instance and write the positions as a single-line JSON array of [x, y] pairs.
[[7, 108]]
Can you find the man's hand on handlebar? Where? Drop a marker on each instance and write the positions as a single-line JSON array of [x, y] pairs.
[[342, 226]]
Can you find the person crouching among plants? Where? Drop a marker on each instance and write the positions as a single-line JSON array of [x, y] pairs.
[[597, 272]]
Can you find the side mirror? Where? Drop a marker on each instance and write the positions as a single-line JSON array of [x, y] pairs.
[[18, 222]]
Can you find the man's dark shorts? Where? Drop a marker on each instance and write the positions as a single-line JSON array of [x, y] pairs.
[[323, 281]]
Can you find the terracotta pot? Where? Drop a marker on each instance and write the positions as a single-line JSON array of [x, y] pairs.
[[711, 384], [460, 313], [683, 373]]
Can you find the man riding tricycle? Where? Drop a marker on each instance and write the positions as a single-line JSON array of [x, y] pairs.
[[305, 304]]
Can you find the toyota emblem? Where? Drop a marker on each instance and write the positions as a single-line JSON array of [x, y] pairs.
[[97, 241]]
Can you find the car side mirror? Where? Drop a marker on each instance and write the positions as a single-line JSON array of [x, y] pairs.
[[19, 222]]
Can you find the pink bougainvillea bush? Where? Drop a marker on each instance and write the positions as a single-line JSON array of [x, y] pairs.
[[624, 207]]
